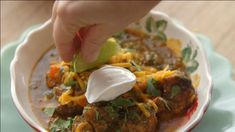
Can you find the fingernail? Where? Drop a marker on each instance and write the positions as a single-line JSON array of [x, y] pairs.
[[67, 55]]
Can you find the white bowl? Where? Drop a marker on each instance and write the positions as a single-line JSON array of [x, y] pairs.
[[40, 40]]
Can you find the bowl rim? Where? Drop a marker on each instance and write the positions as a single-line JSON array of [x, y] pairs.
[[37, 127], [206, 103], [19, 107]]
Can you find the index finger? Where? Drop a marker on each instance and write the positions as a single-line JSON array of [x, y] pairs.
[[63, 37]]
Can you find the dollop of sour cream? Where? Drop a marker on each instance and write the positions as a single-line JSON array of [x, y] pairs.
[[109, 82]]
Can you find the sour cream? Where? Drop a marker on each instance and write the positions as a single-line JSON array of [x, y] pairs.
[[109, 82]]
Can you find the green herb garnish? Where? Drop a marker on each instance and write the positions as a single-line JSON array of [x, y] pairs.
[[121, 102], [70, 82], [175, 90], [49, 111], [151, 87], [119, 35], [125, 117], [97, 115], [134, 115], [49, 94], [61, 125], [85, 109], [112, 112], [135, 65]]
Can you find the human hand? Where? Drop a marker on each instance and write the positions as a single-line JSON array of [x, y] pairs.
[[93, 22]]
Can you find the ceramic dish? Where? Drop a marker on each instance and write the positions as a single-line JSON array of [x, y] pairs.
[[40, 40]]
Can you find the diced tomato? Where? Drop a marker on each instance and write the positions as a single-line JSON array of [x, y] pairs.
[[53, 71]]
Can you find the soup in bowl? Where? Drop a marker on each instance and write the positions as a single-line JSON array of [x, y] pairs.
[[171, 90]]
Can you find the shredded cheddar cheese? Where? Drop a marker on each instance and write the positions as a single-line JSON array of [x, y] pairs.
[[126, 65], [143, 109], [66, 98], [121, 57]]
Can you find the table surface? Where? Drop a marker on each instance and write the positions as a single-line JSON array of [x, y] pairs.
[[214, 19]]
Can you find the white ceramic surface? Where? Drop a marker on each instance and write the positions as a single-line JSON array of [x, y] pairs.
[[40, 40]]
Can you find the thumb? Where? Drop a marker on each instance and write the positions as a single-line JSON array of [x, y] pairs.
[[92, 41]]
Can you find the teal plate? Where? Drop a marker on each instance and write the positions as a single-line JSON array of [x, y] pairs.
[[220, 115]]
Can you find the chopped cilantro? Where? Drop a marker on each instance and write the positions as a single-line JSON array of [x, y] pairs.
[[133, 115], [125, 117], [121, 102], [112, 112], [135, 65], [97, 115], [151, 89], [71, 82], [86, 108], [175, 90], [61, 125]]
